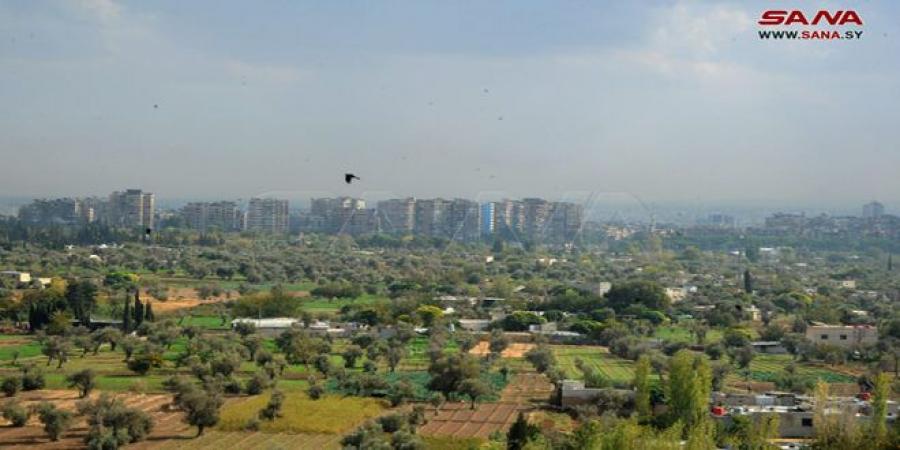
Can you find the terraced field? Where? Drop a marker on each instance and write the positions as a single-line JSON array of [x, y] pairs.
[[459, 421], [612, 367]]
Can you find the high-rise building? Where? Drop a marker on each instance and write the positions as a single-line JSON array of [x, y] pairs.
[[397, 215], [872, 210], [203, 216], [508, 218], [342, 215], [462, 221], [62, 211], [487, 219], [565, 221], [267, 215], [536, 213], [131, 208], [430, 216]]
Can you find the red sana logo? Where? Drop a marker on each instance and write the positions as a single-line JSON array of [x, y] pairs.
[[781, 17]]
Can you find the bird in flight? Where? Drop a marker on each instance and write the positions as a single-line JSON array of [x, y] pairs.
[[348, 177]]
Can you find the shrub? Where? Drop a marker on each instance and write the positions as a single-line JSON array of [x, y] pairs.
[[84, 380], [55, 421], [32, 379], [273, 408], [11, 385], [16, 414], [315, 391], [257, 383], [392, 422]]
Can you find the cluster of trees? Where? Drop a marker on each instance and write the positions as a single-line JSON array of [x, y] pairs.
[[394, 431]]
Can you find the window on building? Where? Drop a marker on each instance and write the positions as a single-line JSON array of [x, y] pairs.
[[806, 421], [824, 337], [843, 337]]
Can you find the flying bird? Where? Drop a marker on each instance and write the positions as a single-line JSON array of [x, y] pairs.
[[348, 177]]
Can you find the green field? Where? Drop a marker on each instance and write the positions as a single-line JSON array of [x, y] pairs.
[[616, 369], [681, 333], [767, 368], [300, 414]]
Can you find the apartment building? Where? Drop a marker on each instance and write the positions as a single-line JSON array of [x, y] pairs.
[[267, 215]]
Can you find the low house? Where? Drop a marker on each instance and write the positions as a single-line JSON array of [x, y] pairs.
[[845, 336], [474, 324], [269, 327], [769, 347], [754, 313], [574, 393], [16, 277]]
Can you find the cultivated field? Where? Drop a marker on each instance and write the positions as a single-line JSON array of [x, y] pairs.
[[610, 366], [329, 415], [460, 421], [514, 350], [167, 423]]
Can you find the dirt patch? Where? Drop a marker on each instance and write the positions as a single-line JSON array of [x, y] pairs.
[[514, 350], [459, 420]]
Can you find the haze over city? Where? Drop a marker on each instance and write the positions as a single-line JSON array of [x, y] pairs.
[[677, 102]]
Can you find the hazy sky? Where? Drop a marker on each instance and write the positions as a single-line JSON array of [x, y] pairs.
[[669, 101]]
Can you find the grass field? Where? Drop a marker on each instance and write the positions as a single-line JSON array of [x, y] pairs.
[[681, 333], [300, 414], [616, 369], [767, 367]]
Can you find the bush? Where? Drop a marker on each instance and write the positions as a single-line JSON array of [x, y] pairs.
[[112, 424], [273, 408], [11, 385], [315, 391], [32, 379], [392, 422], [16, 414], [257, 383], [55, 421], [84, 380]]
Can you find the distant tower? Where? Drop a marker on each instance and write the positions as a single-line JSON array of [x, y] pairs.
[[872, 210]]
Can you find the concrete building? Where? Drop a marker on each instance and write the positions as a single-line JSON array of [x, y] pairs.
[[398, 216], [474, 324], [204, 216], [574, 393], [536, 212], [487, 219], [565, 221], [508, 218], [872, 210], [430, 217], [341, 215], [768, 347], [270, 327], [60, 211], [132, 208], [267, 215], [845, 336], [462, 222]]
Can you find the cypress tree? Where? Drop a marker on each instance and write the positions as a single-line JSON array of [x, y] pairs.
[[748, 282], [126, 317], [138, 309], [148, 312]]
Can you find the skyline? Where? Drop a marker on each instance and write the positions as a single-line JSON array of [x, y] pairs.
[[675, 102]]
